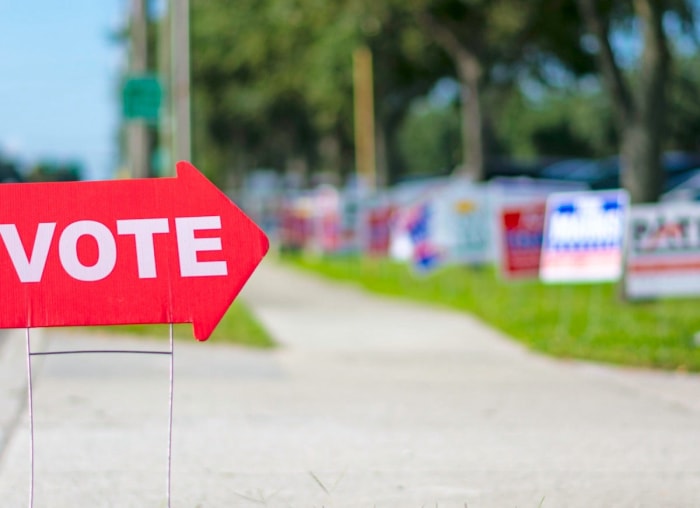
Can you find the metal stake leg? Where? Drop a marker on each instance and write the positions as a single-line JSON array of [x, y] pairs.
[[30, 406], [171, 353], [170, 410]]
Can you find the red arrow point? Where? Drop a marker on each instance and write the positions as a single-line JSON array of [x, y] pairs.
[[203, 329], [264, 244], [243, 246]]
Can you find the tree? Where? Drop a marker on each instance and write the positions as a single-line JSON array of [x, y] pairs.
[[639, 104], [467, 32], [571, 120], [683, 117], [273, 81], [55, 171], [429, 138], [490, 41], [249, 106], [406, 66]]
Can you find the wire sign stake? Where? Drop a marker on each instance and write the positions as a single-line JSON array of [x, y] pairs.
[[30, 409], [30, 405]]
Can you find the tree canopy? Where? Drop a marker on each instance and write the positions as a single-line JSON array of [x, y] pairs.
[[273, 83]]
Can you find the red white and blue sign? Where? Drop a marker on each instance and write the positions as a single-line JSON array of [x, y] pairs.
[[377, 219], [426, 256], [584, 236], [412, 238], [522, 228]]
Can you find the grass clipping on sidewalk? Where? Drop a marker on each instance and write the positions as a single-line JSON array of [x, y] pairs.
[[584, 321], [238, 326]]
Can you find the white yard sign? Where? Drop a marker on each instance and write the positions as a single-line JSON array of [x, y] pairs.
[[663, 257], [583, 236]]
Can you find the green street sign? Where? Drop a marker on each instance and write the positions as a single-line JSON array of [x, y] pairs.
[[142, 97]]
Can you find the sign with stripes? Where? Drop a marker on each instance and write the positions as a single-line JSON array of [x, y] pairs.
[[583, 236], [663, 257]]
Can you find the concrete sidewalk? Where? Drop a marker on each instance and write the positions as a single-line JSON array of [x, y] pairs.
[[368, 402]]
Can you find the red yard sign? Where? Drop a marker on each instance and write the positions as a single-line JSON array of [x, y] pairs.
[[522, 227], [162, 250]]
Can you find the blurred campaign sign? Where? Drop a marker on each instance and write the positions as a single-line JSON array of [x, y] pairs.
[[414, 224], [326, 220], [514, 192], [412, 237], [464, 223], [350, 209], [376, 220], [663, 250], [161, 250], [426, 254], [522, 227], [450, 224], [584, 236], [296, 231]]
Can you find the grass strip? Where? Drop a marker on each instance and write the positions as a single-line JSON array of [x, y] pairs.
[[238, 326], [584, 321]]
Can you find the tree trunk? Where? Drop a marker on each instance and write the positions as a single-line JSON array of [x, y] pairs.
[[643, 175], [639, 113], [382, 151], [469, 72]]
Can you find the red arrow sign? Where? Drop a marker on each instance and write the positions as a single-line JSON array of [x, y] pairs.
[[162, 250]]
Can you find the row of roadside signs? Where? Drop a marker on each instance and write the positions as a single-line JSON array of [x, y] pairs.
[[560, 237], [598, 237]]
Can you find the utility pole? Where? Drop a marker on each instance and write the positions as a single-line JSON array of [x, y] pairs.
[[363, 82], [165, 122], [180, 79], [137, 129]]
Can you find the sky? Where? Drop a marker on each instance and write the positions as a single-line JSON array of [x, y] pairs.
[[59, 72]]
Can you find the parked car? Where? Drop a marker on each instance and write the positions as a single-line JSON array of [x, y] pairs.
[[680, 166], [596, 173], [605, 173], [687, 187], [507, 167]]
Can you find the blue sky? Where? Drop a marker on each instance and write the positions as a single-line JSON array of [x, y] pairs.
[[58, 81]]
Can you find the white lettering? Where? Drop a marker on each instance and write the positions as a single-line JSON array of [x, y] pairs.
[[188, 246], [29, 269], [68, 250], [143, 231], [595, 228]]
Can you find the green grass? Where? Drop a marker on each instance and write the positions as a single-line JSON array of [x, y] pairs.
[[570, 321], [238, 326]]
